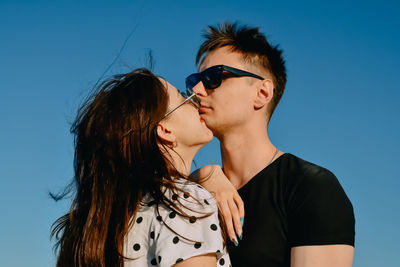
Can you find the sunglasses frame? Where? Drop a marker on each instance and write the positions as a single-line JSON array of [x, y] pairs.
[[192, 98], [218, 72]]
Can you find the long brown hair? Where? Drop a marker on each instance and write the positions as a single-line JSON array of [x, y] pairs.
[[117, 161]]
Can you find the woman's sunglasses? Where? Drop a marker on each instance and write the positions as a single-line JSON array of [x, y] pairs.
[[189, 96], [213, 76]]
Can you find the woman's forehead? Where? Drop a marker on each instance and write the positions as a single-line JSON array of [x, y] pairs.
[[172, 91]]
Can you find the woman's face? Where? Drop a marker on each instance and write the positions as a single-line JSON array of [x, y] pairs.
[[185, 122]]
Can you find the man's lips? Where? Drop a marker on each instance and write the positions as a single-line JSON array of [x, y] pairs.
[[203, 109]]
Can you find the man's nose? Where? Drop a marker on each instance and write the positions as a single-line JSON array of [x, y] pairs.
[[200, 90]]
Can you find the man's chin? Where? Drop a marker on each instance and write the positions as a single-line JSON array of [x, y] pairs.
[[215, 129], [209, 125]]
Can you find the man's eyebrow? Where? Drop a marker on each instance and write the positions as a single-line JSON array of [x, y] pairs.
[[202, 64]]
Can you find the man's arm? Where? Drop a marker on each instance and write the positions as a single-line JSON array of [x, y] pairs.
[[326, 256], [321, 221]]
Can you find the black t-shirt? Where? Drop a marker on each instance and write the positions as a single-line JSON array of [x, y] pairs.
[[291, 203]]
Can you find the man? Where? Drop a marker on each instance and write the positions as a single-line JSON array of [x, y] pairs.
[[297, 213]]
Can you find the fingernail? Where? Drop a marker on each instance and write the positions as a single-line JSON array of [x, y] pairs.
[[234, 240], [240, 237], [241, 220]]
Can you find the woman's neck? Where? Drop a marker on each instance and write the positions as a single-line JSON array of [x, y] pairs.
[[182, 159]]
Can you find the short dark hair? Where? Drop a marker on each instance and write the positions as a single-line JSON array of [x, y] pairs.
[[254, 47]]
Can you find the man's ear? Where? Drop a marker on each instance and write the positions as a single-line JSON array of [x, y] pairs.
[[165, 134], [265, 94]]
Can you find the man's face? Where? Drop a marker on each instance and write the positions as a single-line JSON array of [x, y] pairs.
[[232, 103]]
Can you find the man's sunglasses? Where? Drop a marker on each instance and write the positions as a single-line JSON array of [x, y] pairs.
[[189, 96], [213, 76]]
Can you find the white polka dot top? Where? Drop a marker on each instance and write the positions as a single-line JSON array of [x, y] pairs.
[[150, 242]]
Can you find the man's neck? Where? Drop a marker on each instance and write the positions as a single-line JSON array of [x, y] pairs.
[[245, 152]]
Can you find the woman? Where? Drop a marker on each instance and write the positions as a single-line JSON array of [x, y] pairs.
[[135, 204]]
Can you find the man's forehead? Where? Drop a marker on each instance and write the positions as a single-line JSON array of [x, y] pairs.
[[205, 63], [221, 56]]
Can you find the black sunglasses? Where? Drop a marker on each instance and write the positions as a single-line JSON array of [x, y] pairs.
[[213, 76]]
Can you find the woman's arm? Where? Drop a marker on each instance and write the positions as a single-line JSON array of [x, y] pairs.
[[230, 204], [204, 260]]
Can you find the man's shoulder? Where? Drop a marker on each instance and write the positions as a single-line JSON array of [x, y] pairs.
[[318, 209], [300, 170]]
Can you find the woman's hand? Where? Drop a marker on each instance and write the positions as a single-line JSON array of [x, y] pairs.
[[230, 204]]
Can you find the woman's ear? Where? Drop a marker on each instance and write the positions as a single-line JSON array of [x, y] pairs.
[[165, 134], [265, 94]]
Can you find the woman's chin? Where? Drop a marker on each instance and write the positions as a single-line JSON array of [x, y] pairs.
[[204, 138], [205, 141]]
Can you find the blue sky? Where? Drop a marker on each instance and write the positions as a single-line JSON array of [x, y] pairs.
[[340, 109]]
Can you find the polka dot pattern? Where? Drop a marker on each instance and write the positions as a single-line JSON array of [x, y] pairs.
[[136, 247], [192, 219], [154, 260], [158, 236]]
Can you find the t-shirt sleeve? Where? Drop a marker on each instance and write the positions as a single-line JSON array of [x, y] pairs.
[[181, 238], [319, 211]]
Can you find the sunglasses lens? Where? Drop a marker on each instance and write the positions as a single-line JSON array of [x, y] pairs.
[[192, 80], [212, 78]]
